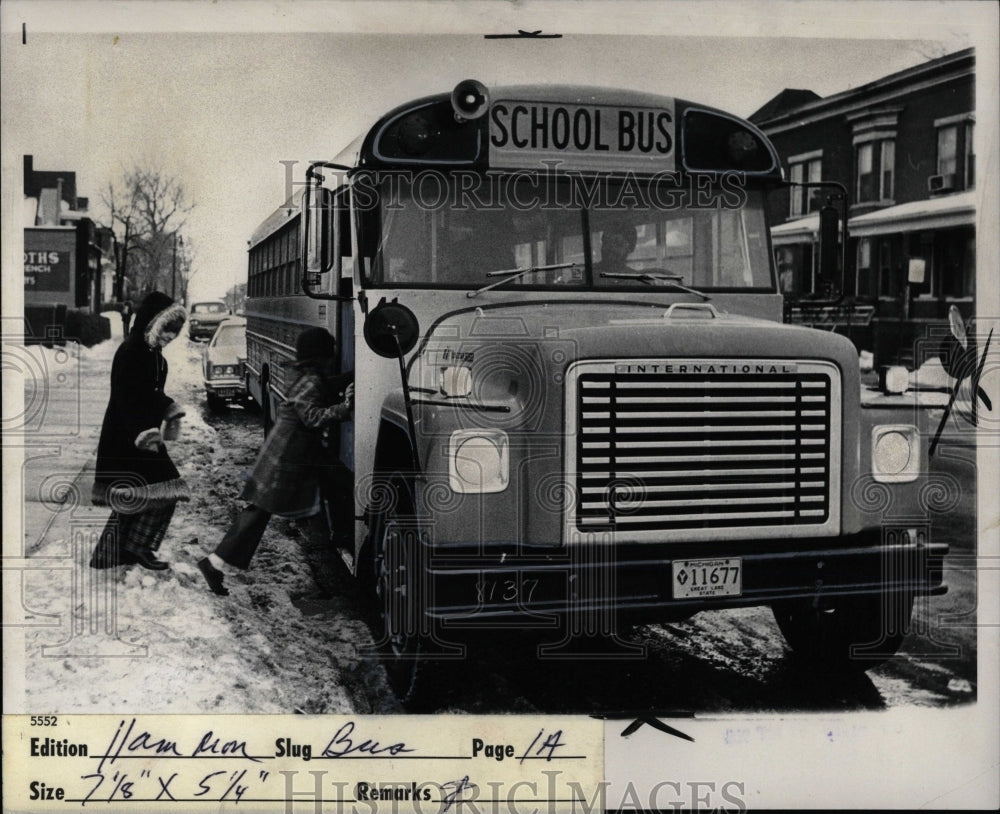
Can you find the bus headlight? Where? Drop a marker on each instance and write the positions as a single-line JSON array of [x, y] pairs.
[[456, 381], [895, 453], [478, 461]]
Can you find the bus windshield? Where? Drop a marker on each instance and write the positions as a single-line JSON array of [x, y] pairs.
[[615, 240]]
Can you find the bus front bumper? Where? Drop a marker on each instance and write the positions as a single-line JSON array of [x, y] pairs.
[[642, 581]]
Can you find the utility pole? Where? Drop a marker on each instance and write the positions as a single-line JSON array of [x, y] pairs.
[[173, 268], [123, 263]]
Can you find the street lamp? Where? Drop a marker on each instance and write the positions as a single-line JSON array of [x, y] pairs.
[[173, 267]]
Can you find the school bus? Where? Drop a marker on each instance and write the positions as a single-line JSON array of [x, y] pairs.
[[576, 404]]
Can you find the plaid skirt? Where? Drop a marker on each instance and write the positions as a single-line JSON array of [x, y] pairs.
[[133, 533]]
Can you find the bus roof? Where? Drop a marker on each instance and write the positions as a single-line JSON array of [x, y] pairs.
[[679, 136], [593, 129], [289, 210]]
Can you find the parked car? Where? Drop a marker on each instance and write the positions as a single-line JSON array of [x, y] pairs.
[[205, 317], [223, 364]]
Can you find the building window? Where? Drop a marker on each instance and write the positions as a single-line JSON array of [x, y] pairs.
[[785, 261], [955, 260], [876, 162], [921, 247], [956, 159], [807, 168], [970, 156], [866, 181], [888, 284], [888, 165], [947, 150], [874, 139]]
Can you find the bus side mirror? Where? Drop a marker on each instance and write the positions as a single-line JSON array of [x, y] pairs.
[[829, 248], [315, 214]]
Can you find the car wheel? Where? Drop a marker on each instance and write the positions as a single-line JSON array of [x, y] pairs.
[[850, 633], [215, 404]]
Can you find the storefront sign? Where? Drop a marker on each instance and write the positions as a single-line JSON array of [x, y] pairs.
[[46, 271]]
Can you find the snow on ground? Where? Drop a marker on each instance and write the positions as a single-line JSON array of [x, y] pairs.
[[292, 635], [254, 651]]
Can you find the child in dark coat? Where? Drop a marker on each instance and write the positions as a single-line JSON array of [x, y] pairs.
[[286, 476], [134, 473]]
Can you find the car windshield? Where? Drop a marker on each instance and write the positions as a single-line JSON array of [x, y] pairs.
[[230, 337], [616, 239], [208, 308]]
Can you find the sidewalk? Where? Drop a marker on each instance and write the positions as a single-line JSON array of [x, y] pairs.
[[60, 441]]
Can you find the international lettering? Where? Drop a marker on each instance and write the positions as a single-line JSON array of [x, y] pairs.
[[707, 368]]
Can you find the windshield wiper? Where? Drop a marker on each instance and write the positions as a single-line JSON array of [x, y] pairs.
[[653, 277], [515, 274]]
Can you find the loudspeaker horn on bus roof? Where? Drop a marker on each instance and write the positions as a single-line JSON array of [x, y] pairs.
[[470, 99]]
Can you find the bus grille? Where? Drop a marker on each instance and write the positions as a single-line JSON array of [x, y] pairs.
[[704, 451]]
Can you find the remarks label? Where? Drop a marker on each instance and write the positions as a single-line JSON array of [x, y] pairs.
[[293, 762]]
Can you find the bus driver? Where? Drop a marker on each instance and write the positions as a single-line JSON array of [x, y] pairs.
[[617, 242]]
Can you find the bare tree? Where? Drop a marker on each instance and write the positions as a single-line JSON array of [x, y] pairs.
[[148, 210]]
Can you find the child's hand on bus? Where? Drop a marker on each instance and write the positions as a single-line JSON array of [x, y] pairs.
[[349, 395]]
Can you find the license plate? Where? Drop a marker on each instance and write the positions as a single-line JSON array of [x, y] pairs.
[[703, 579]]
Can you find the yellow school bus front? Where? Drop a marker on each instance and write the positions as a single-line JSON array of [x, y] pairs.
[[575, 397]]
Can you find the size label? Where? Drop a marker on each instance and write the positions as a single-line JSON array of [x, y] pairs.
[[300, 763]]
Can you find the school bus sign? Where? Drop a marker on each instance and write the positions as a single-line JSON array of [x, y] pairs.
[[582, 137]]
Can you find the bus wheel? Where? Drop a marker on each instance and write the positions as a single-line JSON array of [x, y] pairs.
[[395, 569], [249, 401], [266, 406], [846, 634]]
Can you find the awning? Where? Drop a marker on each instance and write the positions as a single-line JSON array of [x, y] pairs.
[[803, 230], [935, 213]]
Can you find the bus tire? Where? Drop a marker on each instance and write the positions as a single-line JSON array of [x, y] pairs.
[[846, 634], [266, 405], [394, 572], [249, 401]]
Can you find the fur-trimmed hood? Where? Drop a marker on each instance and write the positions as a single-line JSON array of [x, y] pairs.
[[157, 313], [169, 319]]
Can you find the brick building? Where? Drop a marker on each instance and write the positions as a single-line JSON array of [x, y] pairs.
[[903, 147], [69, 266]]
